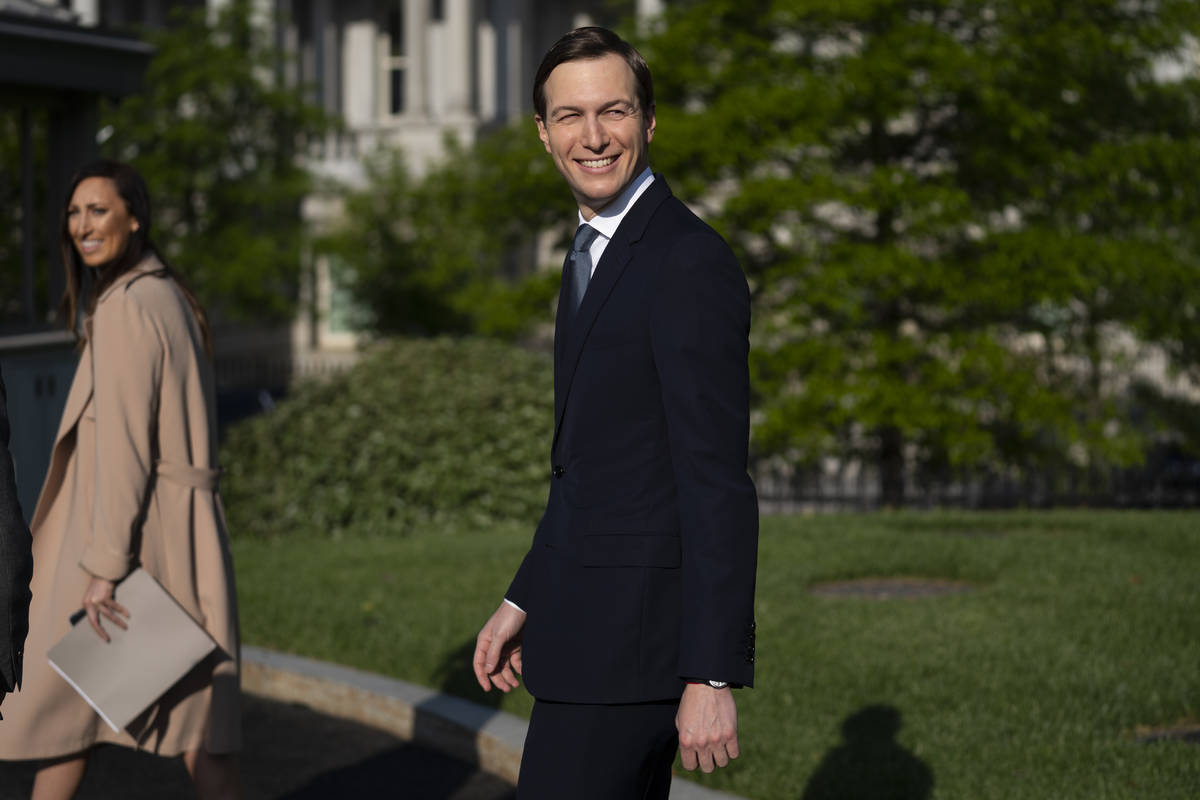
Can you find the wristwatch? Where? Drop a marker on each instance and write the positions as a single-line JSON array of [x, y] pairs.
[[719, 684]]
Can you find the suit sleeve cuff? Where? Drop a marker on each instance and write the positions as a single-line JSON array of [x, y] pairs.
[[514, 605]]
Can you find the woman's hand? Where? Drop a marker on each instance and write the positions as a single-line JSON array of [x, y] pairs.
[[97, 600]]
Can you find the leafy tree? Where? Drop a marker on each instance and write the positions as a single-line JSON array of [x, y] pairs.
[[454, 251], [219, 142], [957, 215]]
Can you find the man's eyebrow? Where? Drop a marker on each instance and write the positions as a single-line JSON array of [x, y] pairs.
[[578, 110]]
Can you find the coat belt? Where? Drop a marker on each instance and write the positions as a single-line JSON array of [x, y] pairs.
[[187, 475]]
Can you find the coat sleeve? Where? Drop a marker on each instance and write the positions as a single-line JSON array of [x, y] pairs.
[[700, 338], [518, 590], [16, 564], [127, 367]]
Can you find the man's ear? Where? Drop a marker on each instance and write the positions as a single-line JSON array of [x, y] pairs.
[[651, 122], [543, 134]]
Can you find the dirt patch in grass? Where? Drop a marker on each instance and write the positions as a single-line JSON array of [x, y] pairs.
[[888, 588], [1179, 732]]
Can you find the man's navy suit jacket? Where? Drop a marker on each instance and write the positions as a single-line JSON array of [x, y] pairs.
[[16, 565], [641, 572]]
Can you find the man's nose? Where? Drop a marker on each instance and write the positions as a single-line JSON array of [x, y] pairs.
[[595, 137]]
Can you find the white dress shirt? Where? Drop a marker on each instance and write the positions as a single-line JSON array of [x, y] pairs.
[[609, 218]]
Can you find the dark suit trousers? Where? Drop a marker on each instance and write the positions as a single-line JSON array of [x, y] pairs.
[[599, 752]]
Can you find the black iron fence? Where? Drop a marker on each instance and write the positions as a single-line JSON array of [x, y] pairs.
[[1169, 478]]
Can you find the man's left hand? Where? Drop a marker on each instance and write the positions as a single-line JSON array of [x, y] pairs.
[[707, 725]]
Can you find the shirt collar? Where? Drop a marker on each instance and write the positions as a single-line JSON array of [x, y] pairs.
[[607, 220]]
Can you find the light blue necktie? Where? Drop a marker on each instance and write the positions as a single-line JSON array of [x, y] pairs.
[[577, 268]]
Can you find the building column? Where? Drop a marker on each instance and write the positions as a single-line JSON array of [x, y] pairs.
[[649, 8], [287, 44], [263, 11], [214, 9], [488, 69], [511, 18], [416, 31], [360, 71], [88, 12], [325, 56], [459, 59], [331, 62]]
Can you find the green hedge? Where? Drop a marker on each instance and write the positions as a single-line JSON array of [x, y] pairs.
[[444, 432]]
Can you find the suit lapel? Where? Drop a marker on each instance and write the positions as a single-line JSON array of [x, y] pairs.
[[81, 386], [81, 389], [569, 343], [560, 344], [60, 453]]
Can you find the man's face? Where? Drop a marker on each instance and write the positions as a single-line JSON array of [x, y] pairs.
[[594, 129]]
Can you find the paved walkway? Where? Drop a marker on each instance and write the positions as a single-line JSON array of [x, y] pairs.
[[292, 753], [316, 730]]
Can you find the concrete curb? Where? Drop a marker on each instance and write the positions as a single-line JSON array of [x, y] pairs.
[[466, 731]]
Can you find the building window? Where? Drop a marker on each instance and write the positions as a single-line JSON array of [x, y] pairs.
[[437, 11], [396, 96], [346, 313], [395, 58], [122, 13]]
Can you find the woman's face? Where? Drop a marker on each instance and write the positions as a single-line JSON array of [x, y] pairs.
[[99, 223]]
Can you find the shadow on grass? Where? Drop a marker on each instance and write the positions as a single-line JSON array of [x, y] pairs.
[[456, 676], [870, 764], [404, 771]]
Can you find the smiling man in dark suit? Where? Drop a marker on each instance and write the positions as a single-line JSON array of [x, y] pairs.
[[631, 617], [16, 565]]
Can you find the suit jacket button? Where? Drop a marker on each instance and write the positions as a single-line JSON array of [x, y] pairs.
[[558, 471]]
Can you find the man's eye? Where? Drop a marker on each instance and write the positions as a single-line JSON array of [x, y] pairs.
[[567, 117], [616, 113]]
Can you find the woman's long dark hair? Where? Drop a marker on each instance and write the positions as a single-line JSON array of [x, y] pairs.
[[132, 190]]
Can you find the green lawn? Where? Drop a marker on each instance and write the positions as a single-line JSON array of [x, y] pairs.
[[1083, 626]]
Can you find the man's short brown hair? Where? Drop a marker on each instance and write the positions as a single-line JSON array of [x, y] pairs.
[[593, 42]]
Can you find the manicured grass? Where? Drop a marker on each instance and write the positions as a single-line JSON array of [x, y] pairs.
[[406, 606], [1083, 626]]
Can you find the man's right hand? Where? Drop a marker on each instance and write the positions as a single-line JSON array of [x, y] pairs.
[[498, 649]]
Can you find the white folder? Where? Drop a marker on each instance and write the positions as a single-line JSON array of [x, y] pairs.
[[121, 678]]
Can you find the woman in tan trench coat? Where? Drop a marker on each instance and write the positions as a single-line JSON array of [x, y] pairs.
[[132, 481]]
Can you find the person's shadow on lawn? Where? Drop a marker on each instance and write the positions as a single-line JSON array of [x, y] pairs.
[[456, 676], [870, 764]]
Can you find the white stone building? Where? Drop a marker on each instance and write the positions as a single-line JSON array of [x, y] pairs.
[[398, 73]]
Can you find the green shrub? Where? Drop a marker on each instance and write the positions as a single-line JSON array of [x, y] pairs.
[[446, 432]]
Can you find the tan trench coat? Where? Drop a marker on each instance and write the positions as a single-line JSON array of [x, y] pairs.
[[132, 480]]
